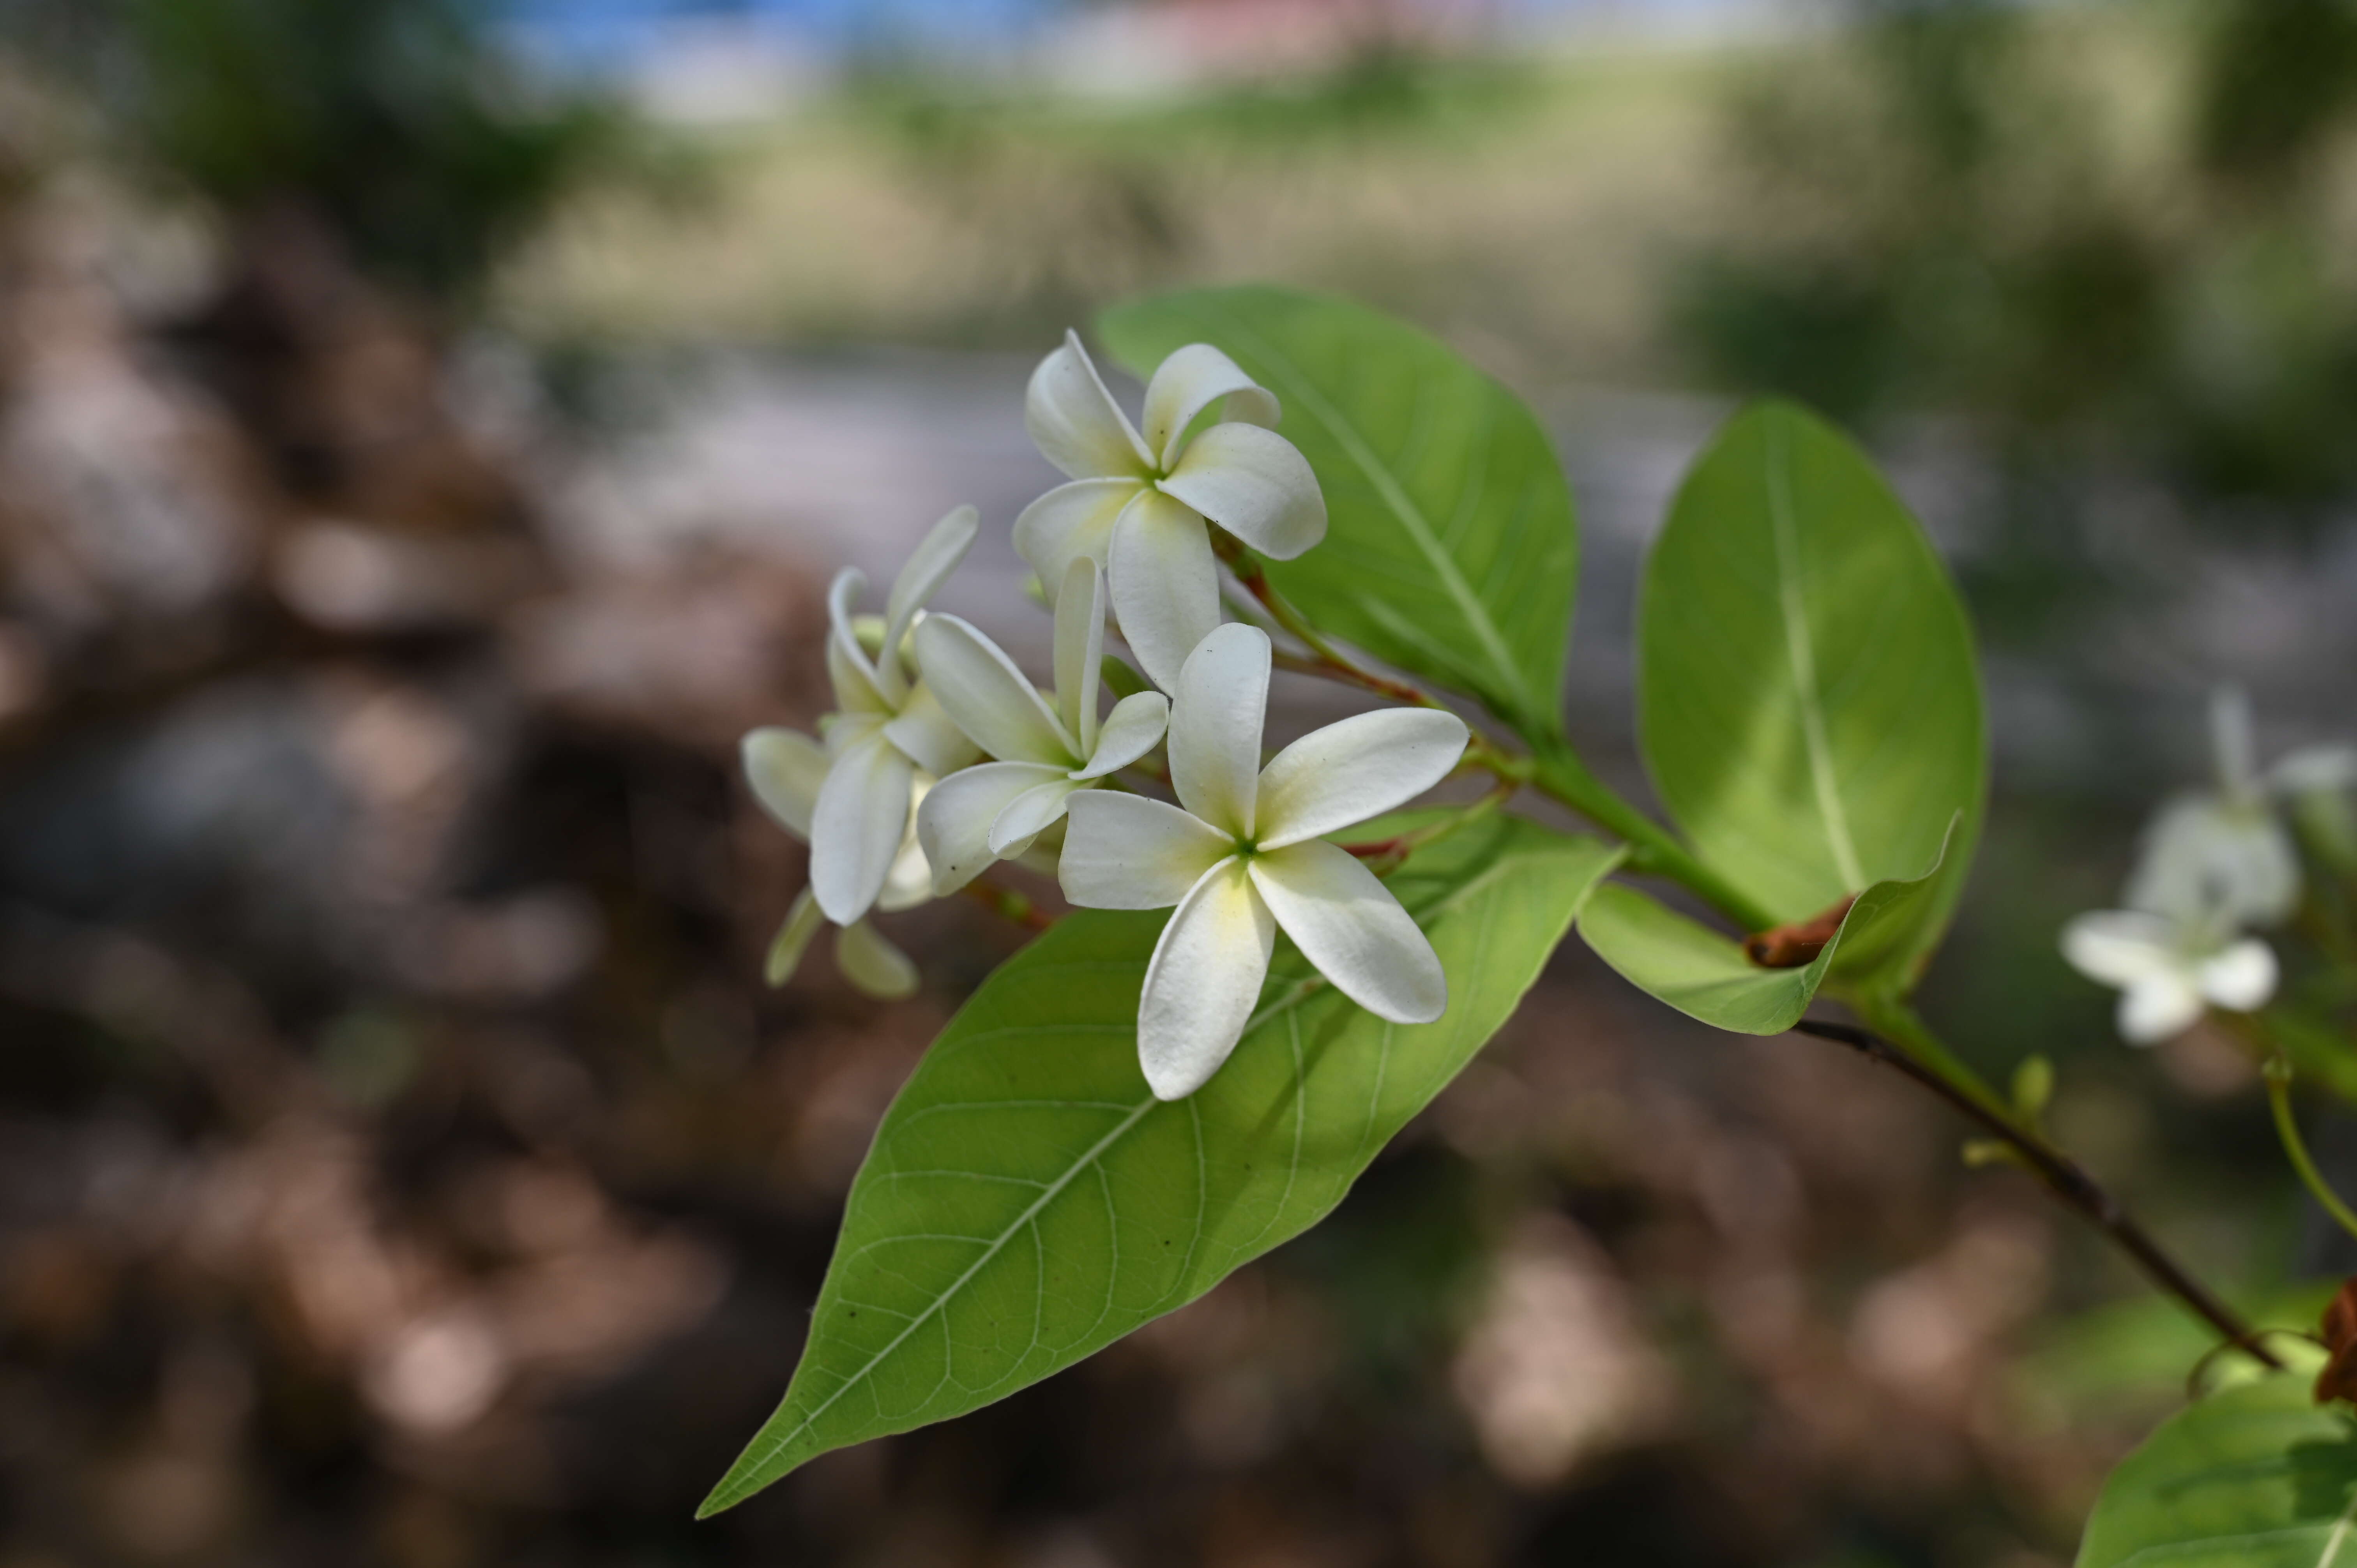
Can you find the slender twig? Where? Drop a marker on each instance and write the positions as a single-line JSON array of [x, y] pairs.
[[2279, 1077], [1555, 769], [2067, 1179], [1480, 751], [1653, 850], [1328, 661], [1009, 904], [1385, 857], [1352, 675]]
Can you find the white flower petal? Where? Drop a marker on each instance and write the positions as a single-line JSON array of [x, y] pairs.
[[1166, 583], [858, 686], [1256, 485], [1347, 923], [990, 700], [2212, 860], [873, 964], [854, 680], [954, 824], [932, 740], [841, 732], [785, 769], [1079, 652], [2120, 947], [1031, 814], [1203, 981], [1076, 422], [1126, 851], [2154, 1008], [2240, 979], [927, 569], [793, 938], [1355, 768], [1218, 707], [1186, 383], [856, 830], [2314, 770], [1135, 727], [1072, 522], [910, 881]]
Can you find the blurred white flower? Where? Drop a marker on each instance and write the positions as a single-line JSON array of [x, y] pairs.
[[887, 727], [2226, 854], [2218, 853], [1045, 752], [1245, 856], [2314, 770], [2168, 971], [1136, 504]]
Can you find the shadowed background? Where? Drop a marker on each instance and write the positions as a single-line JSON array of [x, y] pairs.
[[426, 430]]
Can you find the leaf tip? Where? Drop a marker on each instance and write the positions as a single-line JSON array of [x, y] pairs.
[[733, 1488]]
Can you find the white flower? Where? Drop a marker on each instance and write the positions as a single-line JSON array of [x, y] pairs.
[[788, 772], [1136, 504], [2226, 854], [2167, 969], [1245, 856], [2314, 770], [886, 728], [2218, 853], [1045, 752]]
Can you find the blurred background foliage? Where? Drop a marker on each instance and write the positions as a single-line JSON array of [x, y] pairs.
[[2113, 238], [424, 430], [392, 121]]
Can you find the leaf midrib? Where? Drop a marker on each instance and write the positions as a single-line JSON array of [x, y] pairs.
[[2339, 1536], [2208, 1545], [1403, 506], [1801, 654], [725, 1495]]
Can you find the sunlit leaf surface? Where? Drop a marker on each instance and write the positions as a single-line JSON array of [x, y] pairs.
[[2255, 1476], [1452, 551], [1808, 702]]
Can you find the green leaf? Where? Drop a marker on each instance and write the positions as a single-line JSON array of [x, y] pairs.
[[2255, 1476], [1705, 976], [1119, 679], [1808, 702], [1451, 550], [1028, 1201]]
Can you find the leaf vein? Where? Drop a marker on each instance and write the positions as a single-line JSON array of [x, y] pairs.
[[777, 1446], [1803, 655]]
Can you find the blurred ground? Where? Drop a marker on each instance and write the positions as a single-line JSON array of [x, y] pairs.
[[399, 1162]]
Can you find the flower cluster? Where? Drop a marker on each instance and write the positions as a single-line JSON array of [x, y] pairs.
[[942, 757], [2212, 866]]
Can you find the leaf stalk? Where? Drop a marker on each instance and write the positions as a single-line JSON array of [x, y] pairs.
[[2278, 1074]]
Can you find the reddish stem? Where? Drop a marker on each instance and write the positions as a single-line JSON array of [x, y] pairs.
[[1008, 903]]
